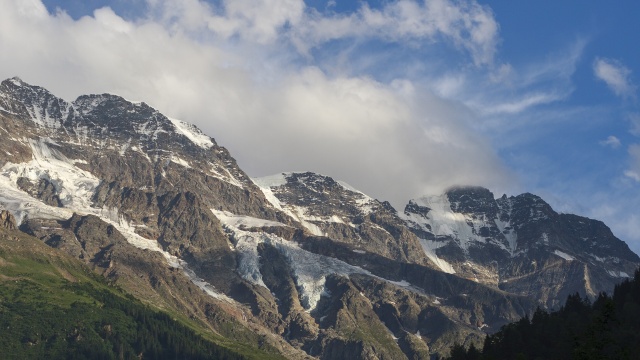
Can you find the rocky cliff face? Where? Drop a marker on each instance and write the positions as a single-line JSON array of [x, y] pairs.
[[520, 244], [297, 263]]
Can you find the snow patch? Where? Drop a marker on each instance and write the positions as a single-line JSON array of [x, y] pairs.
[[180, 161], [618, 274], [446, 223], [393, 336], [226, 176], [205, 286], [73, 185], [243, 221], [545, 238], [310, 270], [509, 233], [401, 283], [300, 214], [266, 185], [125, 147], [429, 248], [192, 133], [564, 255], [365, 202]]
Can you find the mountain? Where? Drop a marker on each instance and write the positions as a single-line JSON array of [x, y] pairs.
[[520, 244], [296, 263], [55, 307]]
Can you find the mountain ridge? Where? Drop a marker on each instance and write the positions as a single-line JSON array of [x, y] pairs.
[[306, 264]]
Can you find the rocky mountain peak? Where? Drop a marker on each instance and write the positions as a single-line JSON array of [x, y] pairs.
[[303, 260], [13, 83], [472, 200], [518, 240], [33, 102], [318, 195]]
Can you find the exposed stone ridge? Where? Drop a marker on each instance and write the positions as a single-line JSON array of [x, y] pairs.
[[7, 221], [514, 242]]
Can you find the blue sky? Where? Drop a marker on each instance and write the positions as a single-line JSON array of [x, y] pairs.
[[398, 98]]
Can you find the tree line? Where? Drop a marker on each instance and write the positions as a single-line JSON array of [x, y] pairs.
[[104, 326], [607, 328]]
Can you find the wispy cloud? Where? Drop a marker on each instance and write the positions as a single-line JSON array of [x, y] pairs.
[[512, 90], [466, 24], [616, 76], [612, 142], [515, 106], [634, 159]]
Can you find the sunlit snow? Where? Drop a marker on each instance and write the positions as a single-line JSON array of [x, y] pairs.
[[243, 221], [429, 248], [564, 255], [192, 133], [75, 187]]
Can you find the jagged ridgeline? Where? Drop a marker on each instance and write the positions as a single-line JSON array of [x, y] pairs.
[[607, 328], [297, 265]]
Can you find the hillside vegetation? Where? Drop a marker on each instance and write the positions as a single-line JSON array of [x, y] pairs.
[[608, 328], [53, 307]]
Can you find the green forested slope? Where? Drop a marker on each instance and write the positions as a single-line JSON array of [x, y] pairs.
[[608, 328], [52, 307]]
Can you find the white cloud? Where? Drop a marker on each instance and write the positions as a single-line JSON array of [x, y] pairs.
[[634, 158], [394, 141], [515, 106], [616, 76], [510, 90], [466, 24], [612, 142]]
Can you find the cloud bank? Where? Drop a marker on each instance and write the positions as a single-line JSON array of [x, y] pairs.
[[243, 72]]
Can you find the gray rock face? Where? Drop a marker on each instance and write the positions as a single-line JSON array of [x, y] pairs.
[[297, 262], [329, 208], [43, 190], [7, 221], [520, 244]]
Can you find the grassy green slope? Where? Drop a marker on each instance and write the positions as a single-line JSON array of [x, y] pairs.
[[52, 306]]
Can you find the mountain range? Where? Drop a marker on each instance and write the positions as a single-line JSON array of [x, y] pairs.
[[298, 263]]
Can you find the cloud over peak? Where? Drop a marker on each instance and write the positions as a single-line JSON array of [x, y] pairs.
[[230, 71]]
